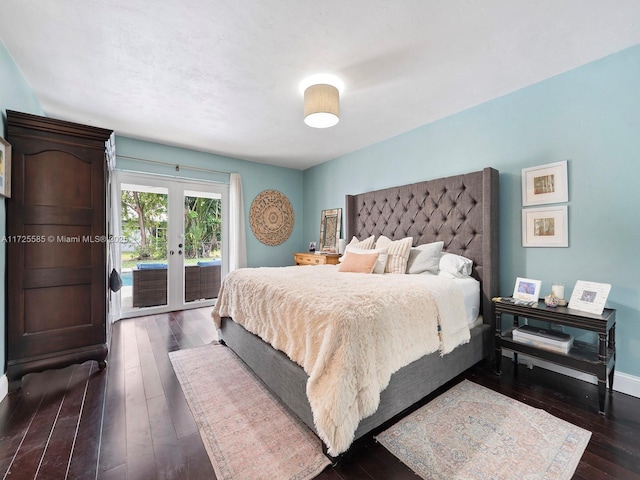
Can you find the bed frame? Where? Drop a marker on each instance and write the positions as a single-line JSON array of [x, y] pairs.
[[462, 211]]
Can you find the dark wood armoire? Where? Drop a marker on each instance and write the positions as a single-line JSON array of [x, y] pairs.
[[56, 245]]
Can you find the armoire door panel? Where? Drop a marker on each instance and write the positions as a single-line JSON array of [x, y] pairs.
[[55, 308], [57, 178], [55, 246]]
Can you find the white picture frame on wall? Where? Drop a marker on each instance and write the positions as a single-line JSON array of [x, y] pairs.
[[545, 227], [545, 184]]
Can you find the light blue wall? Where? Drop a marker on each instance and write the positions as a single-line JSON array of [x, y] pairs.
[[589, 116], [15, 94], [256, 177]]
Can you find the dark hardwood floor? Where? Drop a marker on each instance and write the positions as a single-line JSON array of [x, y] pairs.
[[131, 421]]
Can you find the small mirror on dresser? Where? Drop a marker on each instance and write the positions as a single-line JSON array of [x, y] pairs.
[[330, 222]]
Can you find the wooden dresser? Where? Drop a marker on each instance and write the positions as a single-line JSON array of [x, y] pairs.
[[56, 245], [316, 258]]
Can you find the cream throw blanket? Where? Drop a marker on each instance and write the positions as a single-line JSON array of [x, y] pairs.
[[349, 331]]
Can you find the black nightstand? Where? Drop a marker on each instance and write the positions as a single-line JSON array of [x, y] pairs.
[[599, 360]]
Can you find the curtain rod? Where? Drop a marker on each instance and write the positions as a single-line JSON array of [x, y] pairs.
[[176, 165]]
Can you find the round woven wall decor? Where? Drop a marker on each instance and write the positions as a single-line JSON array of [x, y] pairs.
[[271, 217]]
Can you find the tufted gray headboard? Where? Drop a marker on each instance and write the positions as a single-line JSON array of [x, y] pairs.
[[462, 211]]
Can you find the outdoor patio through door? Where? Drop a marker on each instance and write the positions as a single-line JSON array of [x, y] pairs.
[[171, 245]]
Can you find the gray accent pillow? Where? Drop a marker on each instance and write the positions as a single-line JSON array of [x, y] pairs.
[[425, 258]]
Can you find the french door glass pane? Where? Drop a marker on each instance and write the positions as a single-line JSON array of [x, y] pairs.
[[202, 245], [144, 264]]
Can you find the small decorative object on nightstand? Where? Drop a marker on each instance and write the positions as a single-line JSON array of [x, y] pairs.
[[551, 300], [316, 258]]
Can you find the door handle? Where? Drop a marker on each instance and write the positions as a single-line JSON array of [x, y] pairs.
[[171, 252]]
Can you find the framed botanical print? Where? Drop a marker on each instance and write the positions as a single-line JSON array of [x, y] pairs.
[[545, 227], [545, 184]]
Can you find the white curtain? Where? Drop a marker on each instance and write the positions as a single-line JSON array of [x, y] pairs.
[[238, 246], [113, 233]]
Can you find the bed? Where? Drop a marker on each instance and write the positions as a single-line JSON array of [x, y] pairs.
[[461, 211]]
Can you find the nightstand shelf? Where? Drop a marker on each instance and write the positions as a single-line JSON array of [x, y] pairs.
[[598, 360]]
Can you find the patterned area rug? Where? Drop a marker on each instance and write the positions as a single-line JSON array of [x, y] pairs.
[[247, 433], [471, 432]]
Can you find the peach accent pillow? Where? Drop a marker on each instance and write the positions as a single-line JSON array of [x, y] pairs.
[[358, 262]]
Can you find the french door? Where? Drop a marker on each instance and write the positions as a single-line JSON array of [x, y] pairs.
[[172, 243]]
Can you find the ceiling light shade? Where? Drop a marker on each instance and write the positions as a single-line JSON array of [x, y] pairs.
[[321, 105]]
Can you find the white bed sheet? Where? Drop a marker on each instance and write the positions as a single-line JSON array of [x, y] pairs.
[[471, 292]]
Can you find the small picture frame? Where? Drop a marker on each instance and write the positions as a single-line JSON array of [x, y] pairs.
[[5, 168], [545, 184], [527, 289], [589, 296], [545, 227]]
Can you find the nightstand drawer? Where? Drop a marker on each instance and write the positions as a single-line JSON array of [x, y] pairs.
[[315, 259]]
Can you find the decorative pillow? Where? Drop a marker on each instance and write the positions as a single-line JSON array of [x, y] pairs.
[[366, 244], [358, 262], [425, 258], [398, 252], [455, 265], [382, 257]]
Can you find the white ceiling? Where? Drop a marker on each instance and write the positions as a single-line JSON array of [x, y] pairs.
[[222, 76]]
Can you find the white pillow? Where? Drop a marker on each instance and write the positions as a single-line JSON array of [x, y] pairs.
[[425, 258], [398, 253], [366, 244], [455, 265]]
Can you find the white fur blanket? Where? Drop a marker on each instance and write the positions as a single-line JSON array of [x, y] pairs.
[[350, 332]]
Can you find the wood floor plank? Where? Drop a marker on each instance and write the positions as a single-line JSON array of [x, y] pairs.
[[113, 445], [84, 461], [380, 464], [170, 460], [33, 445], [15, 418], [59, 448], [196, 323], [141, 462], [150, 375], [198, 465], [178, 407]]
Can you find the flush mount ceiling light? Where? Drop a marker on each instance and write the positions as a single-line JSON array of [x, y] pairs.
[[321, 100]]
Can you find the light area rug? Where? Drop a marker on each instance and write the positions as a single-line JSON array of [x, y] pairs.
[[471, 432], [247, 433]]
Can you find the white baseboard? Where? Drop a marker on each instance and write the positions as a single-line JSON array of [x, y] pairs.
[[622, 382], [4, 387]]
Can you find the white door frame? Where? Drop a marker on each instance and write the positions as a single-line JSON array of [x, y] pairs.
[[175, 235]]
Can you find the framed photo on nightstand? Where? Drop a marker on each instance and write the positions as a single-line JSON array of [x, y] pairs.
[[527, 290], [589, 296]]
